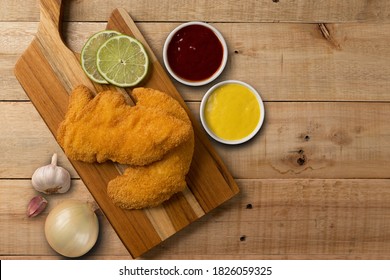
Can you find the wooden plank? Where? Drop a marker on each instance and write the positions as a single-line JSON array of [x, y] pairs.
[[305, 218], [342, 62], [270, 219], [25, 138], [285, 218], [298, 140], [10, 88], [316, 140], [16, 36], [22, 235], [351, 65], [306, 11], [48, 71]]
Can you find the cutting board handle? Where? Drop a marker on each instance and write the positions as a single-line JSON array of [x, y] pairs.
[[62, 60], [50, 18]]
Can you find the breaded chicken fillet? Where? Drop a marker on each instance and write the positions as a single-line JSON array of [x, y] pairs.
[[151, 185], [105, 128], [148, 186]]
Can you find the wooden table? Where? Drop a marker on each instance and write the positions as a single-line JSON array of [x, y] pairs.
[[315, 182]]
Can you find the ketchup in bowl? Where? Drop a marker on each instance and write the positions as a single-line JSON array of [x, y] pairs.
[[195, 53]]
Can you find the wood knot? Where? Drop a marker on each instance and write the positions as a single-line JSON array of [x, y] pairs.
[[328, 36], [304, 137], [302, 159], [340, 137]]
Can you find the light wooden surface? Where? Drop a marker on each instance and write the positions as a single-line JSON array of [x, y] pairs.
[[315, 182]]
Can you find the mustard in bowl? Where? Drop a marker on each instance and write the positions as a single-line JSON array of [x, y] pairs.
[[232, 112]]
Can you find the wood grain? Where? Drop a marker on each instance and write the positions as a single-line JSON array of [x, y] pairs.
[[289, 219], [304, 11], [292, 62], [48, 71], [297, 140], [309, 59]]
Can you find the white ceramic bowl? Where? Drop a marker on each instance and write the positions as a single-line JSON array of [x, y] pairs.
[[189, 82], [210, 132]]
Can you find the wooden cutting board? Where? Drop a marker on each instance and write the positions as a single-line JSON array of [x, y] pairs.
[[48, 71]]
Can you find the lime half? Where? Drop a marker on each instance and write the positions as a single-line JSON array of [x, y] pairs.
[[89, 52], [122, 61]]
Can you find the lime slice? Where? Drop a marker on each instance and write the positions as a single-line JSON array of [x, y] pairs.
[[123, 61], [89, 51]]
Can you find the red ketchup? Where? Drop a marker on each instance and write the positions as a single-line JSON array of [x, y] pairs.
[[195, 53]]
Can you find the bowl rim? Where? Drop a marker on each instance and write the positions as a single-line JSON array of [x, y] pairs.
[[238, 141], [224, 56]]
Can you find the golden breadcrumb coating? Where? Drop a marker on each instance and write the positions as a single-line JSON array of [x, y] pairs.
[[151, 185], [105, 128], [155, 138]]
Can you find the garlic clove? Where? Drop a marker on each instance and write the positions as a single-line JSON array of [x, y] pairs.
[[51, 178], [36, 206]]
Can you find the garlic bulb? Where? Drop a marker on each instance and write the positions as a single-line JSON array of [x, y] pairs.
[[72, 228], [51, 178]]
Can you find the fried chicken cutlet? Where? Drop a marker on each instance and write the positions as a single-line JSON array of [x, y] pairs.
[[105, 128], [151, 185]]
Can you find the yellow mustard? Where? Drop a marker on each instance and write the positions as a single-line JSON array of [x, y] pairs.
[[232, 111]]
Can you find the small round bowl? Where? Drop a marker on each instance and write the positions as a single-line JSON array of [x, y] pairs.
[[195, 82], [211, 133]]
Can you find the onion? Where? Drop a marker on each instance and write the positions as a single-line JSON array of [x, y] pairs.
[[72, 228]]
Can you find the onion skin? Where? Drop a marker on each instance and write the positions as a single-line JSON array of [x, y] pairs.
[[72, 228]]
